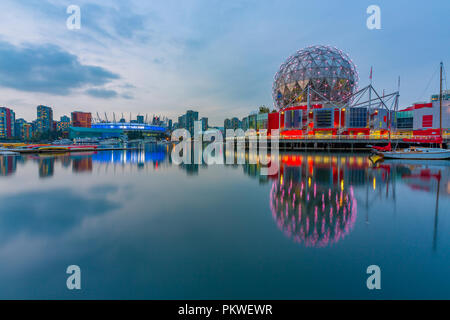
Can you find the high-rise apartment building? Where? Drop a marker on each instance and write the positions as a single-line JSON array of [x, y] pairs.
[[44, 121], [7, 123]]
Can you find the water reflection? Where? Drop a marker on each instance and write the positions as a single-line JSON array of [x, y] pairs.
[[308, 206], [8, 165], [314, 198]]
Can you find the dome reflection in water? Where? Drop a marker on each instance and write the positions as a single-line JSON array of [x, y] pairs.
[[311, 202]]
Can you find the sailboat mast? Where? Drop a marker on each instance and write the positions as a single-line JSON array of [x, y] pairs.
[[440, 105]]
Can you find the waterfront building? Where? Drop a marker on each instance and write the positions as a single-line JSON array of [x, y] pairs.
[[19, 127], [293, 119], [44, 121], [327, 71], [81, 119], [379, 121], [235, 123], [405, 121], [357, 120], [445, 96], [227, 124], [252, 121], [27, 131], [140, 119], [7, 123], [63, 125], [244, 123], [426, 118], [204, 121], [262, 121], [115, 130], [191, 117], [273, 122]]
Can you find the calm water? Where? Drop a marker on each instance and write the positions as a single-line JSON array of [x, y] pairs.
[[141, 227]]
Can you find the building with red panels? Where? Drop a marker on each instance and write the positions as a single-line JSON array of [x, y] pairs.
[[295, 120], [81, 119], [273, 122], [357, 121], [427, 118], [379, 121], [7, 122], [328, 121]]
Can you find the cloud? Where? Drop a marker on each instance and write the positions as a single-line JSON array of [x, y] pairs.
[[102, 93], [127, 96], [47, 68], [37, 215]]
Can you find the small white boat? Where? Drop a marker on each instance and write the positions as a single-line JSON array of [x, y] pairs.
[[417, 153]]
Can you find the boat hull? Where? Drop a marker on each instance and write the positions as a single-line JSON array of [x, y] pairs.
[[427, 154]]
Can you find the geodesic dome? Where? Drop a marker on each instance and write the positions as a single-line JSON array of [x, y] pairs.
[[327, 70]]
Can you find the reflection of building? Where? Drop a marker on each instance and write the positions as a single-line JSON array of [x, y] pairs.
[[7, 122], [44, 119], [8, 165], [46, 167], [83, 164], [311, 202]]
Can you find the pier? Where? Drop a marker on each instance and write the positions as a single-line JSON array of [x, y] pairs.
[[343, 143]]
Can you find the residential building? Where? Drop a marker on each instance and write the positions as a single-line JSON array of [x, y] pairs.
[[81, 119], [44, 121], [7, 123]]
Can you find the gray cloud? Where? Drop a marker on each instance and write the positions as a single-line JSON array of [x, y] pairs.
[[47, 68], [102, 93]]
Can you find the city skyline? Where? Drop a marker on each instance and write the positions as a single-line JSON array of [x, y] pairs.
[[218, 58]]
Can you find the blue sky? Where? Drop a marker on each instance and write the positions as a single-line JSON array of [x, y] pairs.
[[218, 57]]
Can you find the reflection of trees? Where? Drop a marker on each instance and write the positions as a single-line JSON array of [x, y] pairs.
[[311, 205]]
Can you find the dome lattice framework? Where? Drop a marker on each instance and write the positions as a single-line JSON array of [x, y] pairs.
[[328, 71]]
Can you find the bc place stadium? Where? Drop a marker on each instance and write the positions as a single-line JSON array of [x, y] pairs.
[[116, 129]]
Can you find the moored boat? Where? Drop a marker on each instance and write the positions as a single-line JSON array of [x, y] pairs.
[[417, 153]]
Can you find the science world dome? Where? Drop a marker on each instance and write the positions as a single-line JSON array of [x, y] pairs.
[[329, 72]]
